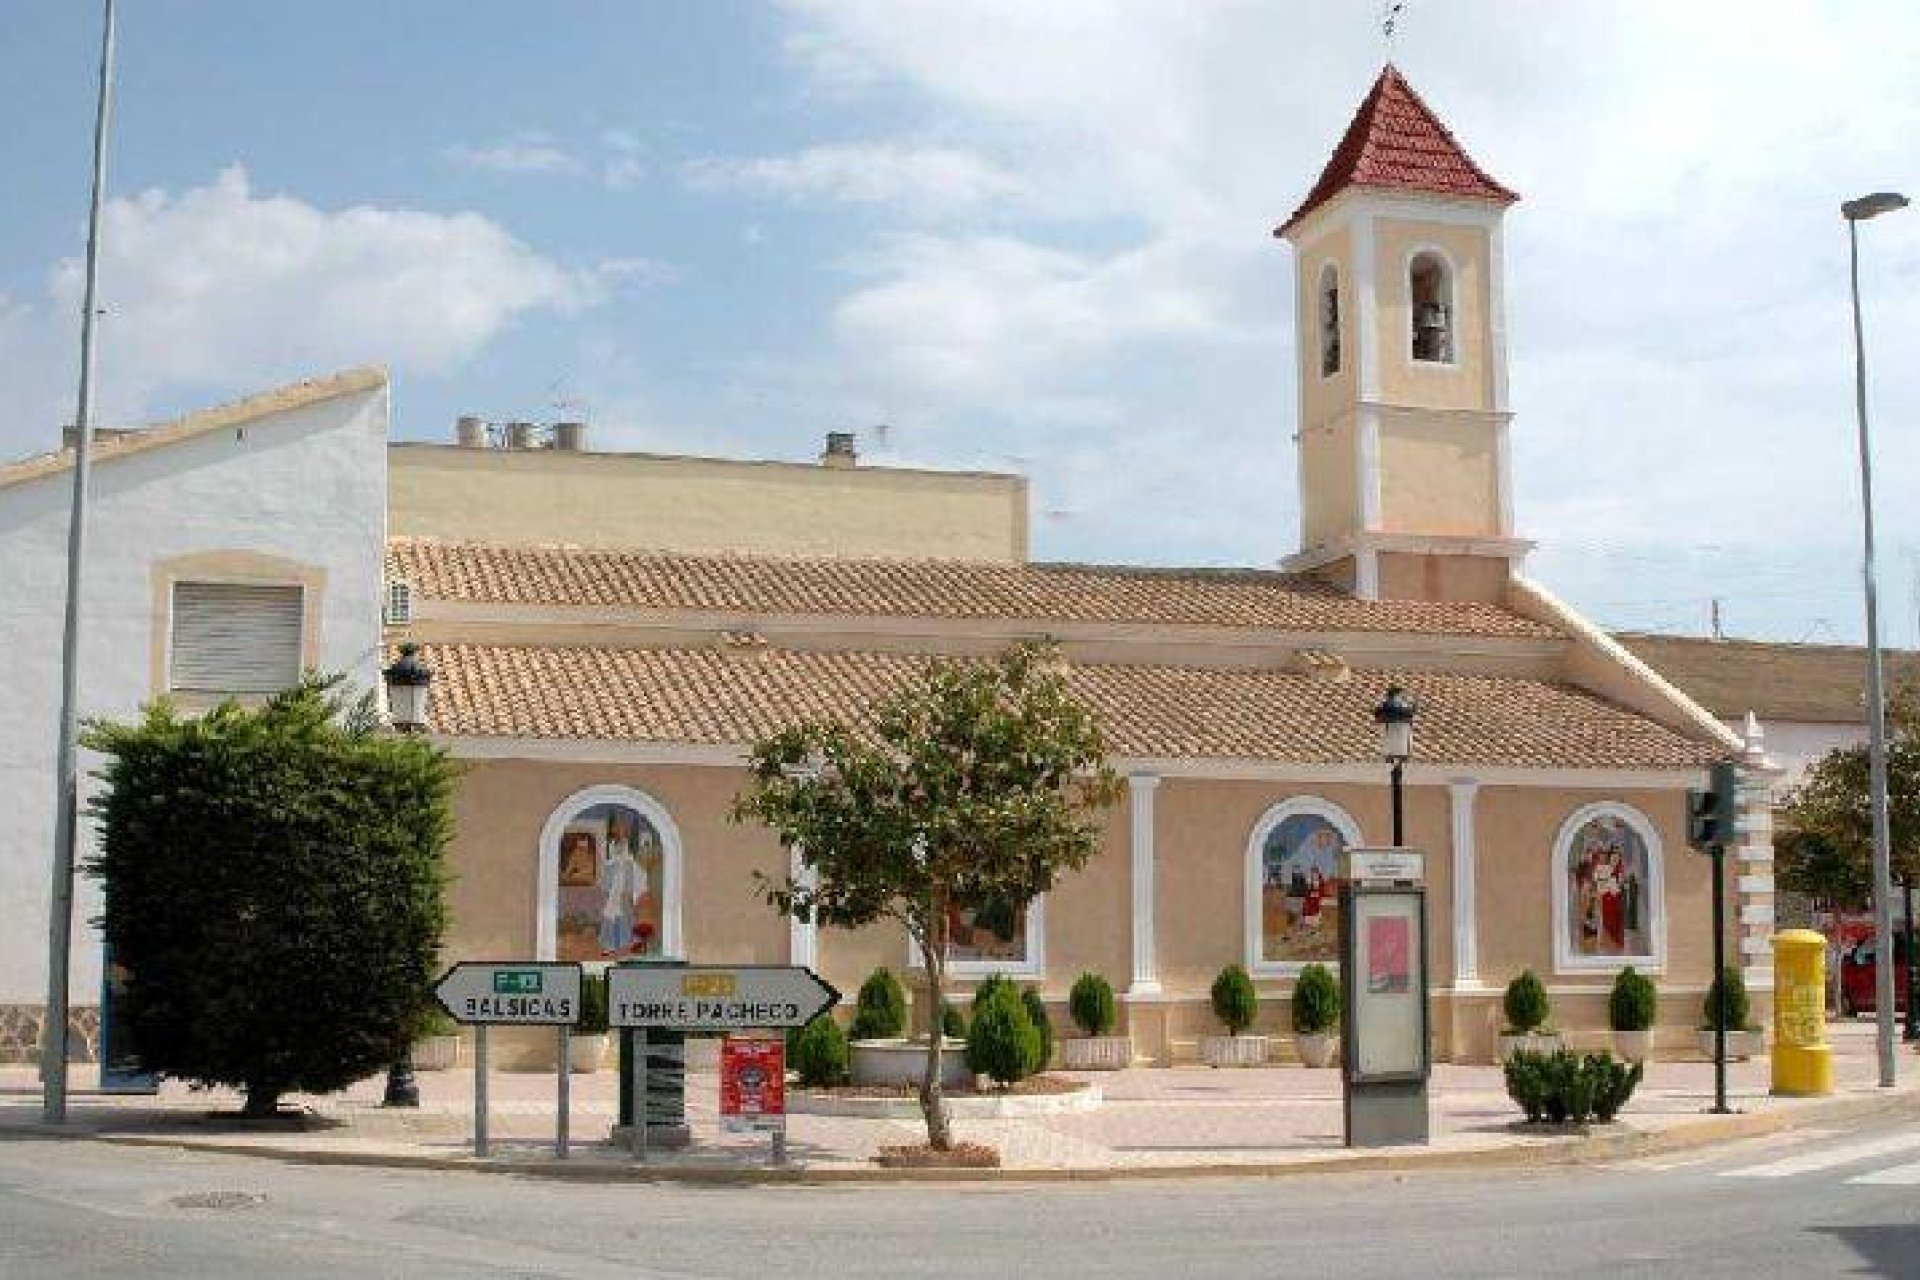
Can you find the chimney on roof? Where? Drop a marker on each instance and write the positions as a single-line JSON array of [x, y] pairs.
[[840, 451], [519, 435], [571, 436], [470, 432]]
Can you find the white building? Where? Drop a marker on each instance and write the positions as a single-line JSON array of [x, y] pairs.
[[228, 551]]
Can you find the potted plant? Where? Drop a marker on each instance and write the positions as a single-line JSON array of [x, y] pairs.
[[587, 1047], [1091, 1004], [1631, 1007], [1528, 1009], [1316, 1012], [1744, 1040], [1236, 1004], [437, 1047]]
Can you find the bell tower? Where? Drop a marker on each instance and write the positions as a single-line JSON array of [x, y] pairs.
[[1405, 487]]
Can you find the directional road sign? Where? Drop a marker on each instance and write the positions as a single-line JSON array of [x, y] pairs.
[[717, 997], [515, 992]]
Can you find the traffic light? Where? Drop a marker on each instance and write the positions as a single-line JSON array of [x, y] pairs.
[[1710, 813]]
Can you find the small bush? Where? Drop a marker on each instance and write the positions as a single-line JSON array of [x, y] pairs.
[[1316, 1001], [1633, 1002], [1738, 1012], [1042, 1025], [437, 1022], [1526, 1004], [1091, 1004], [880, 1010], [819, 1053], [1002, 1042], [593, 1005], [1235, 1002], [1565, 1087], [989, 987], [953, 1023]]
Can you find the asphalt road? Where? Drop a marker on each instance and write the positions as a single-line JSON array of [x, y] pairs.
[[1809, 1205]]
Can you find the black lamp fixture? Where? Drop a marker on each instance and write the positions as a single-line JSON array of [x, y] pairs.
[[408, 681], [1395, 715]]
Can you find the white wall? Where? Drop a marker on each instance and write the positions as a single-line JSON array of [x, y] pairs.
[[1794, 745], [307, 484]]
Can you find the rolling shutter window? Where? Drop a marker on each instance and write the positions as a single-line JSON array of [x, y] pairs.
[[234, 638]]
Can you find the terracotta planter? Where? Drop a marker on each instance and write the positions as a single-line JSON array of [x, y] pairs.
[[1532, 1042], [1096, 1053], [1316, 1049], [1741, 1045], [436, 1053], [1234, 1051], [1633, 1046], [586, 1053]]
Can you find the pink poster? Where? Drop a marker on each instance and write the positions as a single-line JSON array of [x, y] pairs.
[[1389, 958]]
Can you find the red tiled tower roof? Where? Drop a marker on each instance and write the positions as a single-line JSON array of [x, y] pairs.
[[1396, 142]]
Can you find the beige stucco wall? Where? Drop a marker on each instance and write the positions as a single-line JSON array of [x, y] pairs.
[[653, 502], [1439, 473], [1324, 397], [1468, 382], [1405, 576]]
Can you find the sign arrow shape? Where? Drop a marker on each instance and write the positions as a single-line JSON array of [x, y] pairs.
[[717, 997], [525, 993]]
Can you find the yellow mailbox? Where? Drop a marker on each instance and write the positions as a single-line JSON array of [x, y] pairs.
[[1802, 1058]]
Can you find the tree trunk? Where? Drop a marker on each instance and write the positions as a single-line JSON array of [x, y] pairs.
[[263, 1100], [932, 1105]]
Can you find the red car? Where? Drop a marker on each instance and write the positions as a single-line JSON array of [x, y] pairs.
[[1857, 976]]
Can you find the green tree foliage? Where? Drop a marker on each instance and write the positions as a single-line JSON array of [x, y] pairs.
[[1316, 1001], [1042, 1025], [1738, 1010], [1091, 1004], [953, 1023], [1235, 1002], [978, 783], [820, 1052], [880, 1010], [1823, 838], [1633, 1003], [593, 1005], [1526, 1004], [991, 986], [274, 886], [1002, 1042]]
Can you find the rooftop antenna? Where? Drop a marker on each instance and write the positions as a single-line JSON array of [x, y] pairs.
[[1714, 612], [1389, 23]]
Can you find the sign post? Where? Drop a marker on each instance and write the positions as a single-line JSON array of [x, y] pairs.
[[1384, 1039], [516, 993]]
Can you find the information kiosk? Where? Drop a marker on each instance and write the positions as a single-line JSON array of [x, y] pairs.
[[1384, 1042]]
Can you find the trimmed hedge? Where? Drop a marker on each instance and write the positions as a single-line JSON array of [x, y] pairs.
[[880, 1010], [1565, 1087], [1002, 1042], [1738, 1011], [1526, 1004], [1235, 1002], [819, 1053], [1042, 1025], [1091, 1004], [1633, 1003], [1316, 1001]]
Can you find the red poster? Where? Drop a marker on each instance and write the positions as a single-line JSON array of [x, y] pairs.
[[753, 1081], [1389, 954]]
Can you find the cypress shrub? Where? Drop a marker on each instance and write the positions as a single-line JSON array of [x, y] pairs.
[[1738, 1012], [880, 1010], [1633, 1002], [953, 1023], [987, 988], [1526, 1004], [1235, 1002], [819, 1052], [1316, 1001], [1002, 1042], [1091, 1004], [1042, 1025], [1565, 1087]]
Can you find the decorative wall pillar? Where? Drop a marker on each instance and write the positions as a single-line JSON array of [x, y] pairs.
[[1463, 793], [1146, 971], [803, 936], [1753, 882]]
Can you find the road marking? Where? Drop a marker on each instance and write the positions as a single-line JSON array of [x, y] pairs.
[[1830, 1158], [1900, 1175]]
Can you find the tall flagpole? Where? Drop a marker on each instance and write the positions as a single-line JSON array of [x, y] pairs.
[[53, 1037]]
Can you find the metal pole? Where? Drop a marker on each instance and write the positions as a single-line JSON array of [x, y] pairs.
[[1399, 810], [66, 815], [639, 1132], [480, 1089], [1913, 973], [1720, 979], [563, 1104], [1876, 699]]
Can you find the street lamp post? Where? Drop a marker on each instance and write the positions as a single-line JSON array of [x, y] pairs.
[[1855, 212], [408, 681], [1395, 715]]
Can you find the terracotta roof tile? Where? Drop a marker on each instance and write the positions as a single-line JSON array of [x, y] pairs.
[[708, 697], [1811, 683], [1396, 142], [527, 575]]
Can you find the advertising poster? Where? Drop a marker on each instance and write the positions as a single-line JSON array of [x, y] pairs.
[[753, 1085], [1389, 954], [1388, 1014]]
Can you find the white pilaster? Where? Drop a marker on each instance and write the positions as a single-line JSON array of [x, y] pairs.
[[803, 936], [1463, 792], [1366, 308], [1146, 972]]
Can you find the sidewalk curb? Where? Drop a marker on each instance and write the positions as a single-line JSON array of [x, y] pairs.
[[1549, 1152]]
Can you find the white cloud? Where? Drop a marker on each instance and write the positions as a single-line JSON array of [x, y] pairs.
[[929, 178], [220, 288], [521, 153]]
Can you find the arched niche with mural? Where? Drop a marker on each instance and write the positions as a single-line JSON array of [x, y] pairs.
[[1292, 886], [609, 878], [1608, 897]]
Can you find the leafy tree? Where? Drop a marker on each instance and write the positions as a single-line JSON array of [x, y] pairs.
[[1823, 841], [979, 783], [274, 885]]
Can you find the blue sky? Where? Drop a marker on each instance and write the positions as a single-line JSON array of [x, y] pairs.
[[1021, 236]]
